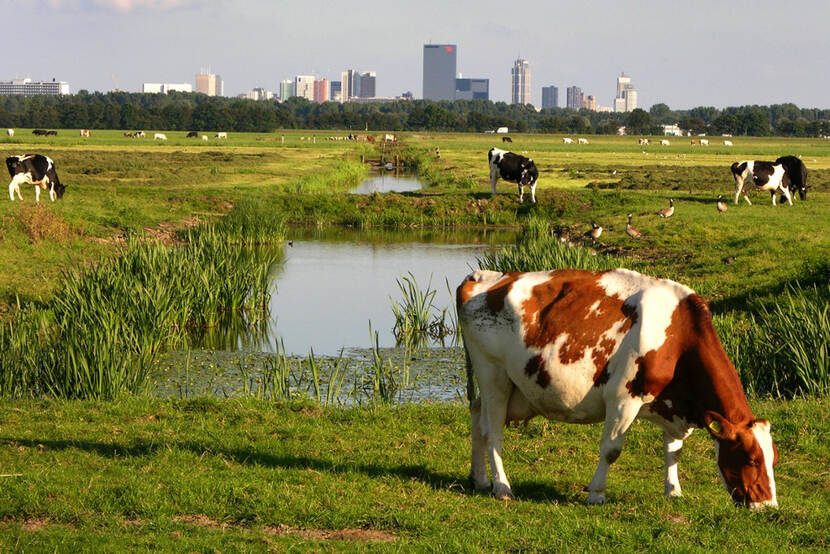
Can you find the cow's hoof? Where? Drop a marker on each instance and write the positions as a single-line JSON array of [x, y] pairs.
[[673, 492], [480, 485], [503, 493], [596, 498]]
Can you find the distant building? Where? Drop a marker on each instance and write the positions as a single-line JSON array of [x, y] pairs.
[[164, 88], [472, 89], [286, 89], [349, 84], [573, 100], [439, 71], [304, 86], [367, 84], [626, 99], [589, 102], [334, 91], [378, 99], [259, 93], [550, 97], [321, 90], [210, 84], [27, 87], [672, 130], [520, 82]]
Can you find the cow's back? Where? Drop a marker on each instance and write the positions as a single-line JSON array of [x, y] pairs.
[[565, 337]]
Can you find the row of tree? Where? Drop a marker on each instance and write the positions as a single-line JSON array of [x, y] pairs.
[[193, 111]]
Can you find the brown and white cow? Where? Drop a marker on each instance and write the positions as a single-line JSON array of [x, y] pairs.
[[585, 347]]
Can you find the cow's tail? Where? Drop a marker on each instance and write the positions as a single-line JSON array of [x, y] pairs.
[[471, 379]]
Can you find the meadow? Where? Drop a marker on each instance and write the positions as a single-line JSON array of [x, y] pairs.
[[115, 469]]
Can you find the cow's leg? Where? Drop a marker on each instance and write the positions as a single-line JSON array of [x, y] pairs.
[[494, 177], [772, 192], [788, 196], [14, 186], [495, 389], [533, 192], [37, 194], [478, 462], [618, 419], [739, 185], [671, 451], [521, 194]]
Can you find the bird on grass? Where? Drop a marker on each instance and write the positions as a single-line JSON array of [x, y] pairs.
[[667, 212], [595, 232], [722, 207], [631, 231]]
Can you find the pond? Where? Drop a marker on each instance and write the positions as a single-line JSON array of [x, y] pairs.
[[388, 181]]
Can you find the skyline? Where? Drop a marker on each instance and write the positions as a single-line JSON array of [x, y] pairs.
[[681, 55]]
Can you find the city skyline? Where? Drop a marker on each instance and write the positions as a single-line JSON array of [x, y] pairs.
[[661, 45]]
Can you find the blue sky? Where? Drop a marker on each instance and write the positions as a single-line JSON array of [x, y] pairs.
[[685, 54]]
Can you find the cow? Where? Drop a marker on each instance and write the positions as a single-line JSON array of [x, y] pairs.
[[609, 346], [85, 133], [665, 142], [139, 134], [727, 143], [10, 132], [36, 170], [389, 138], [128, 134], [159, 136], [514, 168], [704, 142], [796, 172], [582, 141], [51, 133], [506, 139], [772, 177], [741, 172], [39, 132], [192, 134], [567, 140], [643, 142], [222, 135], [204, 137]]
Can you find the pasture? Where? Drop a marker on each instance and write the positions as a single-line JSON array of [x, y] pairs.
[[248, 474]]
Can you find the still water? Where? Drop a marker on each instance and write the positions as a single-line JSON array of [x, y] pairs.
[[388, 181]]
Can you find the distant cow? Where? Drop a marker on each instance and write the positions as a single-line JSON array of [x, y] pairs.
[[665, 142], [10, 132], [39, 132], [582, 141], [85, 133], [389, 138], [567, 140], [192, 134], [128, 134], [643, 142], [141, 134], [204, 137], [506, 139], [727, 143], [33, 169], [159, 136], [51, 133], [606, 346], [514, 168], [222, 135], [704, 142]]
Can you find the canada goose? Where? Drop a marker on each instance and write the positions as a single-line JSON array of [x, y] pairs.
[[595, 232], [722, 207], [631, 231], [667, 212]]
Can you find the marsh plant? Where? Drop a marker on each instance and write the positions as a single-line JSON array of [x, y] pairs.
[[416, 316]]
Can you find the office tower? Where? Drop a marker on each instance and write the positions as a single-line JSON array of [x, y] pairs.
[[210, 84], [472, 89], [439, 71], [367, 85], [520, 79], [286, 89], [304, 86], [321, 90], [334, 91], [626, 99], [349, 85], [573, 98], [550, 97]]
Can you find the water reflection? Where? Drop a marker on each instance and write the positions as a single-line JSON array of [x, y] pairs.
[[388, 182]]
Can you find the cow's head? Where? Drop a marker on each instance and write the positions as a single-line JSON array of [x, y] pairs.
[[802, 192], [746, 456], [58, 188], [529, 172]]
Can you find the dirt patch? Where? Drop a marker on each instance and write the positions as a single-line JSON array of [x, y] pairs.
[[32, 524], [200, 520], [355, 535]]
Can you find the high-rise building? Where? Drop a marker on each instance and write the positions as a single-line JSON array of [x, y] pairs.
[[210, 84], [321, 90], [163, 88], [27, 87], [472, 89], [304, 86], [286, 89], [589, 102], [334, 91], [259, 93], [550, 97], [367, 85], [349, 85], [626, 99], [520, 79], [573, 98], [439, 71]]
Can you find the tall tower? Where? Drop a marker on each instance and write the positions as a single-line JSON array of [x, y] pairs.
[[573, 99], [439, 71], [520, 90], [626, 99], [550, 97], [209, 83]]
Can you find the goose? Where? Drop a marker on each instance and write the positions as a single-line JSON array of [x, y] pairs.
[[722, 207], [631, 231], [667, 212], [595, 232]]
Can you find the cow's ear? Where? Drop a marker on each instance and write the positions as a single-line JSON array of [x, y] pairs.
[[718, 426]]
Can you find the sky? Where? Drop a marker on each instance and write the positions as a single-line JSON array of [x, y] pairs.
[[685, 54]]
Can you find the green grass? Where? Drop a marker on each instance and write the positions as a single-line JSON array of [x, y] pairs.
[[206, 474]]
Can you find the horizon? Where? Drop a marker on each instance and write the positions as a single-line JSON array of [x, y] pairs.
[[675, 55]]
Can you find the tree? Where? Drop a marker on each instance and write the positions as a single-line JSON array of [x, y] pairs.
[[661, 113], [638, 122]]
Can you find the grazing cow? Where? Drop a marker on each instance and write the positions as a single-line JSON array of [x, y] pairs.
[[10, 132], [727, 143], [741, 172], [51, 133], [39, 132], [772, 177], [192, 134], [222, 135], [139, 134], [204, 137], [390, 138], [665, 142], [85, 133], [643, 142], [159, 136], [582, 141], [128, 134], [33, 169], [514, 168], [586, 347], [797, 174], [506, 139], [567, 140], [704, 142]]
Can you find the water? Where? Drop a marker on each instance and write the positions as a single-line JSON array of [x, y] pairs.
[[388, 182]]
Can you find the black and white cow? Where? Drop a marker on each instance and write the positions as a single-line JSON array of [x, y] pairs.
[[36, 170], [514, 168], [792, 175], [796, 172], [772, 177]]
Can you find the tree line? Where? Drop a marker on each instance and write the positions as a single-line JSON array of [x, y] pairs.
[[194, 111]]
